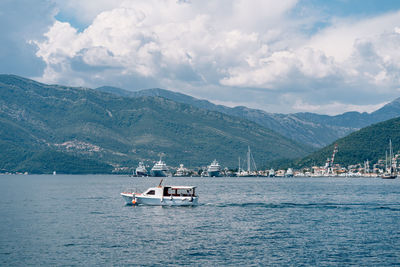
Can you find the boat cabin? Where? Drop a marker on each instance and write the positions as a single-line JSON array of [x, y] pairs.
[[174, 191]]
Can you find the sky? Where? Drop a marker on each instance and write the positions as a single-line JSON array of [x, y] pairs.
[[287, 56]]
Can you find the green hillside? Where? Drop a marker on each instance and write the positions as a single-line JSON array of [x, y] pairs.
[[80, 130], [307, 128], [369, 143]]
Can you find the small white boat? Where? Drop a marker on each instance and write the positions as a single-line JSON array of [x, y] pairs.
[[163, 196]]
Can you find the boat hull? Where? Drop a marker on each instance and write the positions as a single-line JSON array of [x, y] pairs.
[[132, 199], [157, 173], [141, 174], [214, 174], [388, 176]]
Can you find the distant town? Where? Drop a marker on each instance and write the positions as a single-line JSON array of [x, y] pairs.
[[330, 169]]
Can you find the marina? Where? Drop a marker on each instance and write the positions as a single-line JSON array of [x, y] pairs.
[[385, 169]]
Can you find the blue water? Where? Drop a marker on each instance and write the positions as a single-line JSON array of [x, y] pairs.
[[82, 220]]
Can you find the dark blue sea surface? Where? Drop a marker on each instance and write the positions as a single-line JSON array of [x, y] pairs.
[[82, 220]]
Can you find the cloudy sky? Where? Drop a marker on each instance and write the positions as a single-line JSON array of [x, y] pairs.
[[284, 56]]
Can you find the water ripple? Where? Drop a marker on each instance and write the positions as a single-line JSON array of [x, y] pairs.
[[285, 205]]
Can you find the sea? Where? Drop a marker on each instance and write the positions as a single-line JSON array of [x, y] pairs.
[[81, 220]]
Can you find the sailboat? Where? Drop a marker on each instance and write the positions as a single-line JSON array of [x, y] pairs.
[[389, 173], [250, 164]]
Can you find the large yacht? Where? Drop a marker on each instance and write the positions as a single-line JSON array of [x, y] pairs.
[[141, 170], [214, 169], [160, 169]]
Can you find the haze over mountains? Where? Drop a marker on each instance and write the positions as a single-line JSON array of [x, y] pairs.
[[309, 128], [47, 128]]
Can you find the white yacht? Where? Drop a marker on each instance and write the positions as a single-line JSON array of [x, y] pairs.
[[214, 169], [289, 173], [271, 173], [160, 169], [141, 170], [163, 196], [182, 171]]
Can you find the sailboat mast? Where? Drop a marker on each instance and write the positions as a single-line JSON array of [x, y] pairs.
[[248, 160], [386, 169], [254, 162], [391, 156]]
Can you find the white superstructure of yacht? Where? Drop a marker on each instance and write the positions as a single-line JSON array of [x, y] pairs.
[[214, 169], [160, 169], [141, 170], [289, 173], [182, 171]]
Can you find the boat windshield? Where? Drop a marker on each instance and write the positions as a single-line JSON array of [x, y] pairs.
[[179, 192]]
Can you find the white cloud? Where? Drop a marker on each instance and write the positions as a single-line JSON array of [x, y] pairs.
[[160, 38], [338, 40], [231, 46], [335, 107]]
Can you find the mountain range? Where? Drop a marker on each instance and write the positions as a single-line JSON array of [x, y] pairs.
[[46, 128], [309, 128]]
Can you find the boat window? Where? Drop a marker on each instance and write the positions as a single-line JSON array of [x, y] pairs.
[[166, 191], [151, 192], [184, 192]]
